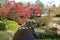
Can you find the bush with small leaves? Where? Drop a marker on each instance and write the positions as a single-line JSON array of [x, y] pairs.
[[12, 25], [2, 26]]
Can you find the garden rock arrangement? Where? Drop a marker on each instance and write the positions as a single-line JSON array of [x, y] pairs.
[[14, 15]]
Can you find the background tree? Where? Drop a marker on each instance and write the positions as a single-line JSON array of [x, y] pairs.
[[58, 9], [38, 2], [20, 3], [53, 9]]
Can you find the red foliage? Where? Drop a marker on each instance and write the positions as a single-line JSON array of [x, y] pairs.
[[19, 10], [36, 9]]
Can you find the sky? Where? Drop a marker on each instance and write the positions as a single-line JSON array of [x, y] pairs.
[[46, 2]]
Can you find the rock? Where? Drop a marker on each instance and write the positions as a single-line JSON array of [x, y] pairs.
[[24, 34], [39, 35]]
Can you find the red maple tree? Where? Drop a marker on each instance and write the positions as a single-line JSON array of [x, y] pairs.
[[17, 12]]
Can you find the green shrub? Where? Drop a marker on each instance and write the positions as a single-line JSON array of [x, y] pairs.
[[48, 35], [51, 34], [12, 25], [2, 26]]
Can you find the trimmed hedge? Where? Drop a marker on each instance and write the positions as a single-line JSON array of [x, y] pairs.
[[12, 25]]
